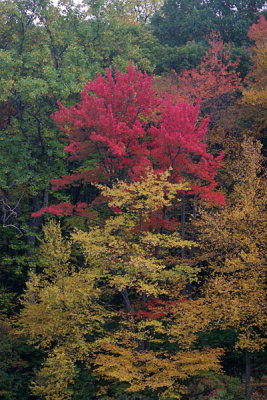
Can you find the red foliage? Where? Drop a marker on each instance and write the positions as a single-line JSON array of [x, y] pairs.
[[178, 142], [64, 208], [153, 309], [215, 76], [156, 308], [258, 31], [121, 121], [110, 121], [157, 222]]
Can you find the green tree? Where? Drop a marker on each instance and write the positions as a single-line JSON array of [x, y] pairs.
[[41, 62], [185, 20]]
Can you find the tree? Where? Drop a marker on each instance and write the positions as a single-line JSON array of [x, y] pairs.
[[135, 10], [234, 246], [215, 77], [41, 63], [35, 72], [126, 255], [121, 127], [185, 20], [256, 93], [18, 361], [58, 319]]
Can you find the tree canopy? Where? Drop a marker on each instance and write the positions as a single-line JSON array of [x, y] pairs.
[[132, 204]]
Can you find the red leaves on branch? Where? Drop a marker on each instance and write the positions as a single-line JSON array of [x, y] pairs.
[[110, 122], [126, 128], [216, 75], [179, 143], [156, 308], [153, 309], [64, 208]]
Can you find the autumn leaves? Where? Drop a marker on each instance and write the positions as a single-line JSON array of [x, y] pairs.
[[116, 298]]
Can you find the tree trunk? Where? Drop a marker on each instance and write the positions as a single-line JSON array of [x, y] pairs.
[[247, 379], [127, 304], [193, 233], [183, 224]]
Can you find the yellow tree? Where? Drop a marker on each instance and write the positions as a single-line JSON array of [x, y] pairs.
[[58, 318], [234, 243], [132, 251], [150, 342]]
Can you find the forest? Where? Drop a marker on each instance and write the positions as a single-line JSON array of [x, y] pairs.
[[132, 199]]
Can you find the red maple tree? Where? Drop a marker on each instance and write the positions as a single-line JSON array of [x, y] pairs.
[[128, 128]]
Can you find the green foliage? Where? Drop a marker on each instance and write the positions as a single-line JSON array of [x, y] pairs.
[[180, 57], [17, 362], [233, 359], [13, 266], [185, 20], [114, 42], [85, 386]]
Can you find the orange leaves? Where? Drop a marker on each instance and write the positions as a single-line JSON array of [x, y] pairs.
[[256, 93], [258, 31], [215, 76]]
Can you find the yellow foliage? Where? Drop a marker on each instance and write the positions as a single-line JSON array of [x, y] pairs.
[[59, 314], [65, 309], [57, 373], [234, 239], [126, 256], [239, 301], [157, 371], [147, 195], [54, 253]]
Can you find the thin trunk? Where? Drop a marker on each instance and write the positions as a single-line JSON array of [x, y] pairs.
[[193, 239], [141, 221], [127, 303], [164, 215], [248, 373], [33, 225], [144, 297], [183, 224], [128, 308], [193, 234]]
